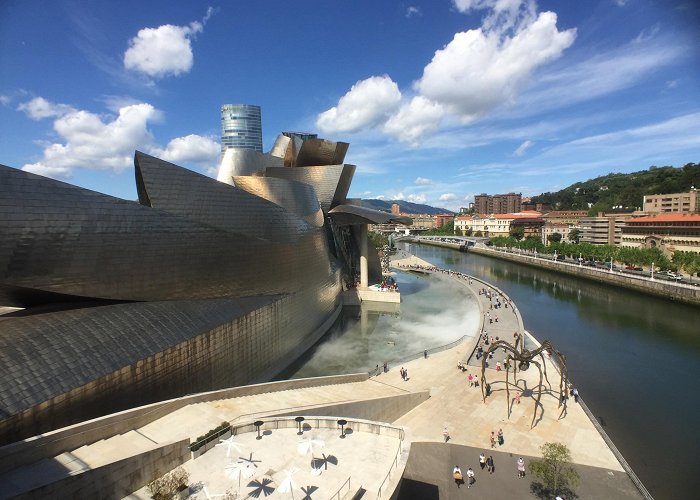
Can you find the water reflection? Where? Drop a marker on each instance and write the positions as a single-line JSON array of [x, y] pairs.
[[634, 357], [434, 311]]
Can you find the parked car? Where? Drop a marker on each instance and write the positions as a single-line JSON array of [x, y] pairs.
[[675, 276], [633, 268]]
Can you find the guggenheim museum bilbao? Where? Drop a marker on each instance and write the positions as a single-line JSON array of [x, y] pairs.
[[200, 285]]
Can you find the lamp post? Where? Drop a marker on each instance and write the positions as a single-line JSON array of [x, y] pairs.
[[611, 264], [652, 271], [580, 259]]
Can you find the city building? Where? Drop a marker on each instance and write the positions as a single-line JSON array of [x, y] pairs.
[[395, 209], [241, 127], [670, 232], [683, 203], [197, 286], [499, 224], [571, 217], [549, 228], [497, 203], [606, 228]]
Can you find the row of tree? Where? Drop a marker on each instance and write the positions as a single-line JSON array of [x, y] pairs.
[[643, 257]]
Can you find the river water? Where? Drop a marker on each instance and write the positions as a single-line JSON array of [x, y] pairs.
[[634, 358]]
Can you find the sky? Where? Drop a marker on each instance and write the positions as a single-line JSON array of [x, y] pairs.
[[439, 99]]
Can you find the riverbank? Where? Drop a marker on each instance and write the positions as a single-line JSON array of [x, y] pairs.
[[687, 294], [499, 320]]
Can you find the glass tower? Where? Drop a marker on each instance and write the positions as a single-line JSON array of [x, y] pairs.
[[241, 127]]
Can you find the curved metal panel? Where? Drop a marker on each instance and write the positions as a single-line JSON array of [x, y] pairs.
[[331, 182], [62, 239], [240, 161], [188, 194], [296, 197], [321, 152]]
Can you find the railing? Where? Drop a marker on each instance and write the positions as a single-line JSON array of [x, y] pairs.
[[394, 465], [396, 362], [336, 495]]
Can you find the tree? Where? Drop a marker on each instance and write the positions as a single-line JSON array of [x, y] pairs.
[[517, 232], [575, 235], [555, 469], [554, 237]]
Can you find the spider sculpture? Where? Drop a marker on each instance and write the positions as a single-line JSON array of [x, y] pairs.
[[519, 357]]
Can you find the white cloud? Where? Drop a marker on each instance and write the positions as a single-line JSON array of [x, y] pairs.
[[5, 100], [366, 104], [414, 120], [413, 11], [448, 197], [165, 50], [192, 149], [416, 198], [39, 108], [620, 3], [422, 181], [522, 148], [94, 144], [478, 70]]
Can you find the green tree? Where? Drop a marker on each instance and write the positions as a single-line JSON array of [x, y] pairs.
[[555, 469], [575, 235], [517, 232], [554, 237]]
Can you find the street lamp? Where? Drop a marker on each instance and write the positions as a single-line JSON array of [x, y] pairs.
[[652, 270]]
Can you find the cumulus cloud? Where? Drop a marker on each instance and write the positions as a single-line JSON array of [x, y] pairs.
[[192, 149], [522, 148], [365, 105], [95, 142], [448, 197], [165, 50], [422, 181], [92, 143], [39, 108], [480, 69], [416, 198], [415, 119], [5, 100]]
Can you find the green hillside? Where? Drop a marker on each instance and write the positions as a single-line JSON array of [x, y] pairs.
[[626, 190]]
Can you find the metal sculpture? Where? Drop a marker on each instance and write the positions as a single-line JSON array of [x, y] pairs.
[[520, 357]]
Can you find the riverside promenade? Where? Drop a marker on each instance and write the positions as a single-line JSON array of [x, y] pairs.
[[435, 396]]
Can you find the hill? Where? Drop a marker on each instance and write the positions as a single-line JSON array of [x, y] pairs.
[[626, 190], [406, 207]]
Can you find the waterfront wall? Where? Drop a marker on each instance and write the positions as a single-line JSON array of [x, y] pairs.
[[666, 290]]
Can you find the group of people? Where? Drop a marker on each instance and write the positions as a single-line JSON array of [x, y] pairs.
[[497, 437], [404, 374], [484, 463]]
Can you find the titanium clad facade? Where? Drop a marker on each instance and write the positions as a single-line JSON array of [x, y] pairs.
[[241, 127], [238, 161], [200, 285]]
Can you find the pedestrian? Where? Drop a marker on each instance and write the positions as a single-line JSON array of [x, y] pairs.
[[376, 370], [403, 377], [482, 460], [405, 374], [517, 398], [386, 367], [425, 353], [471, 380], [493, 439], [575, 394], [457, 475], [446, 434], [488, 389], [489, 464], [470, 477], [521, 467], [500, 437], [498, 366]]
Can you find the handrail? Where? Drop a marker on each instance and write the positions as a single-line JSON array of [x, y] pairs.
[[411, 357], [337, 493], [393, 464]]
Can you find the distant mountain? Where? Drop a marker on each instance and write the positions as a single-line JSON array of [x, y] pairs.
[[626, 190], [406, 207]]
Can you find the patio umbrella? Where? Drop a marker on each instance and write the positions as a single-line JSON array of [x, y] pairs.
[[230, 443], [235, 470], [288, 485], [308, 444]]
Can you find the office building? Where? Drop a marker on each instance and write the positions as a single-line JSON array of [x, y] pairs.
[[241, 127]]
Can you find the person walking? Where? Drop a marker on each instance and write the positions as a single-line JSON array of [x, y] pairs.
[[489, 464], [500, 437], [470, 477], [493, 439], [425, 353], [521, 467], [457, 475], [446, 434], [482, 461]]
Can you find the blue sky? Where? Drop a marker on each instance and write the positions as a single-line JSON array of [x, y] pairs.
[[439, 99]]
